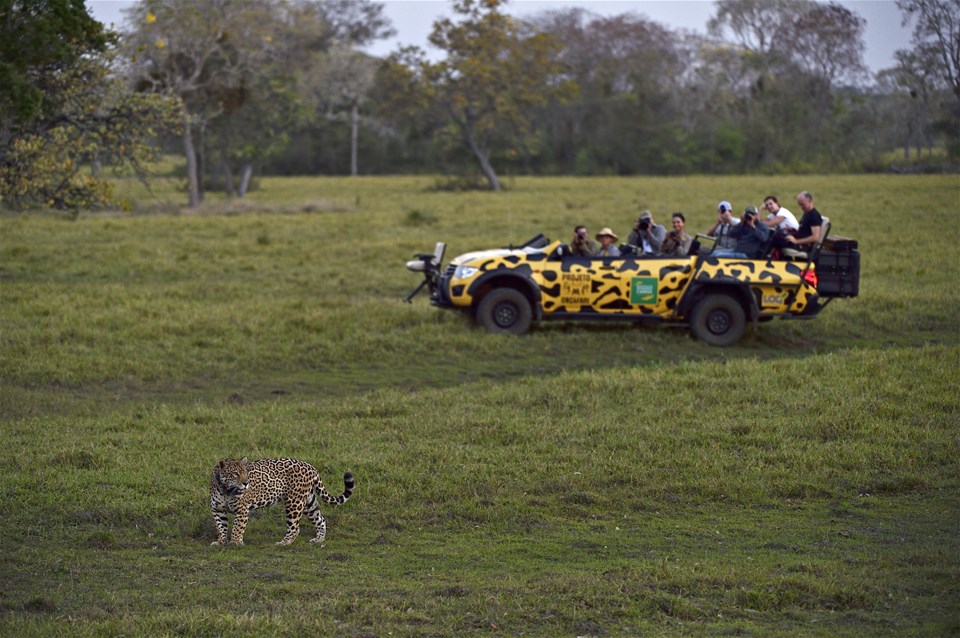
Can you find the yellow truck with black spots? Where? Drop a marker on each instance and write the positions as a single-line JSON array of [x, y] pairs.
[[508, 290]]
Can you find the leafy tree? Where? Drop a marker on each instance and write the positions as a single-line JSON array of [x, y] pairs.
[[793, 52], [626, 67], [65, 108], [487, 90], [199, 52], [936, 38], [38, 40], [229, 62], [342, 78], [914, 83]]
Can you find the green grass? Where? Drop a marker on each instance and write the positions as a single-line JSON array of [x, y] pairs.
[[581, 480]]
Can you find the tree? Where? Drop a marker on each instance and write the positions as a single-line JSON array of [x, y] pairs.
[[340, 78], [915, 81], [227, 60], [38, 40], [936, 37], [65, 107], [829, 42], [487, 89], [793, 53], [197, 51], [624, 119]]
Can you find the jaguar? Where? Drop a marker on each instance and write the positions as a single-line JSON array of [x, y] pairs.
[[239, 486]]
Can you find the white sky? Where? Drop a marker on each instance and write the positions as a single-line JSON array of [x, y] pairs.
[[413, 19]]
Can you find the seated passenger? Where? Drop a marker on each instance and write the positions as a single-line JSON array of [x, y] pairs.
[[811, 224], [721, 230], [647, 235], [606, 239], [677, 242], [751, 238], [779, 218], [581, 244]]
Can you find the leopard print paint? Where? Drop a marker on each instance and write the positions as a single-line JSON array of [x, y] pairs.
[[777, 285], [603, 286], [238, 486]]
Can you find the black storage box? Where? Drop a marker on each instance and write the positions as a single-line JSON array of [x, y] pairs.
[[838, 274], [834, 243]]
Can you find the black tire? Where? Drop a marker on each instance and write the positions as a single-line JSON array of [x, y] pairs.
[[505, 310], [718, 320]]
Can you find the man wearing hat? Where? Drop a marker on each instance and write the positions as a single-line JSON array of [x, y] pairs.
[[721, 230], [647, 235], [606, 237]]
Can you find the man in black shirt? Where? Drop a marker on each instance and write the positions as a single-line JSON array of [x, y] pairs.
[[811, 224]]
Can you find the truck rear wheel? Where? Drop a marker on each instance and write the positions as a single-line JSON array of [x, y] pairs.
[[505, 310], [718, 320]]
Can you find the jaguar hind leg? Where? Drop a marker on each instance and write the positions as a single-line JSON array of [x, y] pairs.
[[294, 508], [313, 513]]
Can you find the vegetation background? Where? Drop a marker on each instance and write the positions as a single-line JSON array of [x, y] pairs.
[[280, 87], [581, 480]]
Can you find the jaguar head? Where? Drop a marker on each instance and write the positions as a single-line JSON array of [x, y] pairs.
[[232, 474]]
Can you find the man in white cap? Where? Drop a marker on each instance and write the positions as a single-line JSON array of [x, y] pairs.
[[721, 230], [647, 235], [606, 237]]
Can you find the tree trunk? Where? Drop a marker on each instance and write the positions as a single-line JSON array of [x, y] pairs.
[[227, 179], [484, 158], [190, 151], [245, 175], [354, 130]]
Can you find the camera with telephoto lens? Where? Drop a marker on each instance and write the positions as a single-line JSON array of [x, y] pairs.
[[644, 224]]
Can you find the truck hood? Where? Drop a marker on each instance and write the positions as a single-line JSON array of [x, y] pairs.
[[459, 260], [482, 254]]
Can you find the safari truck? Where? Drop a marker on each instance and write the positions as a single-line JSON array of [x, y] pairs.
[[508, 290]]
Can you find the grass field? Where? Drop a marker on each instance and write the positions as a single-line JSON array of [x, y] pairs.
[[581, 480]]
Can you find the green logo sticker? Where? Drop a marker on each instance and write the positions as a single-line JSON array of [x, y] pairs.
[[643, 291]]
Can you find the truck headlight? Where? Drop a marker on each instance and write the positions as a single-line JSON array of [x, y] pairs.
[[464, 272]]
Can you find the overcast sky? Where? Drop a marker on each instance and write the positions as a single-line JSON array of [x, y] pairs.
[[413, 19]]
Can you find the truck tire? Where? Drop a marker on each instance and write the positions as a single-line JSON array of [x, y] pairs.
[[505, 310], [718, 320]]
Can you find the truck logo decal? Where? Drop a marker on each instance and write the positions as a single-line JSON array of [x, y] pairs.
[[643, 291], [575, 289]]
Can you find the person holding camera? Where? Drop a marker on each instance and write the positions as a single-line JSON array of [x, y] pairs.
[[581, 244], [677, 243], [721, 230], [647, 235], [751, 238]]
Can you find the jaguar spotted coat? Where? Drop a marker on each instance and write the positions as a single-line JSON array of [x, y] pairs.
[[238, 486]]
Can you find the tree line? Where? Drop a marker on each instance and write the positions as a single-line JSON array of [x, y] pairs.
[[241, 87]]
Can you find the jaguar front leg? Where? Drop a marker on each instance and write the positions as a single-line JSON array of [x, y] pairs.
[[240, 524], [220, 522]]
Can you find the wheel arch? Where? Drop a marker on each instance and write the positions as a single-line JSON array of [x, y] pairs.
[[491, 281], [738, 290]]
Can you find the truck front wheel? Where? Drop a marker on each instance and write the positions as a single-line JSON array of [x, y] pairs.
[[718, 320], [505, 310]]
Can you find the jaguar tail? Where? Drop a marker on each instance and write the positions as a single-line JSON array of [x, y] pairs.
[[348, 484]]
